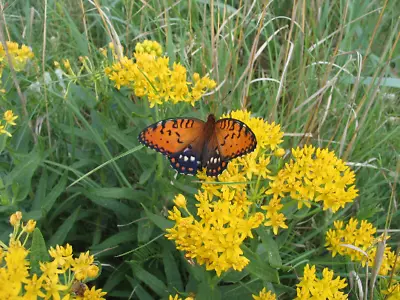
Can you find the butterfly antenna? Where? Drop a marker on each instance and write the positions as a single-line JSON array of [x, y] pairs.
[[226, 96]]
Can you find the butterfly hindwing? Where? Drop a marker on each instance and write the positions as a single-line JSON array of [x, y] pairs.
[[171, 136], [186, 162], [234, 138]]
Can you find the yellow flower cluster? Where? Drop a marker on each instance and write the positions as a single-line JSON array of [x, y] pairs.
[[19, 55], [269, 135], [360, 235], [393, 292], [149, 74], [315, 175], [264, 295], [215, 239], [275, 219], [9, 119], [225, 215], [311, 287], [58, 277]]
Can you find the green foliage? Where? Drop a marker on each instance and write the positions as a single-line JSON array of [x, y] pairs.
[[328, 76]]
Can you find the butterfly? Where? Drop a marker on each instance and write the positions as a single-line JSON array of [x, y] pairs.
[[192, 144]]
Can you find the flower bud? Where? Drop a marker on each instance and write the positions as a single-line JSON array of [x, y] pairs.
[[30, 226], [180, 200], [279, 152], [93, 271], [15, 218]]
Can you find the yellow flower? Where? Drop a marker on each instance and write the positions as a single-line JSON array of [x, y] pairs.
[[310, 287], [62, 256], [4, 131], [50, 271], [360, 235], [264, 295], [149, 47], [392, 293], [275, 221], [176, 297], [19, 55], [17, 264], [214, 238], [83, 266], [53, 287], [30, 226], [33, 288], [315, 175], [149, 74], [180, 200], [279, 152], [92, 294]]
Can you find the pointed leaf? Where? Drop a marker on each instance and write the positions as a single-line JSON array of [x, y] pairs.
[[38, 252]]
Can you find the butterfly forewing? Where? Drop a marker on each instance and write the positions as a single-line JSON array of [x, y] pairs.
[[180, 139], [172, 135], [234, 138]]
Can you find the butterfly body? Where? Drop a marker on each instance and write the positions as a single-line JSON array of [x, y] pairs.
[[192, 144]]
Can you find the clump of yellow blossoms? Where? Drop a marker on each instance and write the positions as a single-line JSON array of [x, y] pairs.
[[311, 287], [224, 217], [393, 292], [360, 235], [9, 119], [20, 55], [58, 277], [149, 74], [264, 295], [315, 175]]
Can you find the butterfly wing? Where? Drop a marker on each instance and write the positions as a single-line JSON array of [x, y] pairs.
[[234, 138], [180, 139]]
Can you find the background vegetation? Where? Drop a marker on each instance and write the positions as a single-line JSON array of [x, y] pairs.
[[327, 71]]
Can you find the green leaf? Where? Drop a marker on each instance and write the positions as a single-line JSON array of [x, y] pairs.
[[149, 279], [206, 292], [234, 276], [59, 237], [115, 240], [172, 271], [259, 268], [140, 292], [38, 252], [21, 176], [49, 200], [118, 193], [146, 175], [145, 229], [270, 247], [159, 221]]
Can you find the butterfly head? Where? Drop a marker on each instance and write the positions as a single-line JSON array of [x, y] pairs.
[[211, 119]]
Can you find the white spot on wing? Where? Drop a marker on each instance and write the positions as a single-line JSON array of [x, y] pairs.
[[185, 158], [192, 158]]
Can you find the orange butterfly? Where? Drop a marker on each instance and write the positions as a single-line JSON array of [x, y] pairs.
[[192, 144]]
